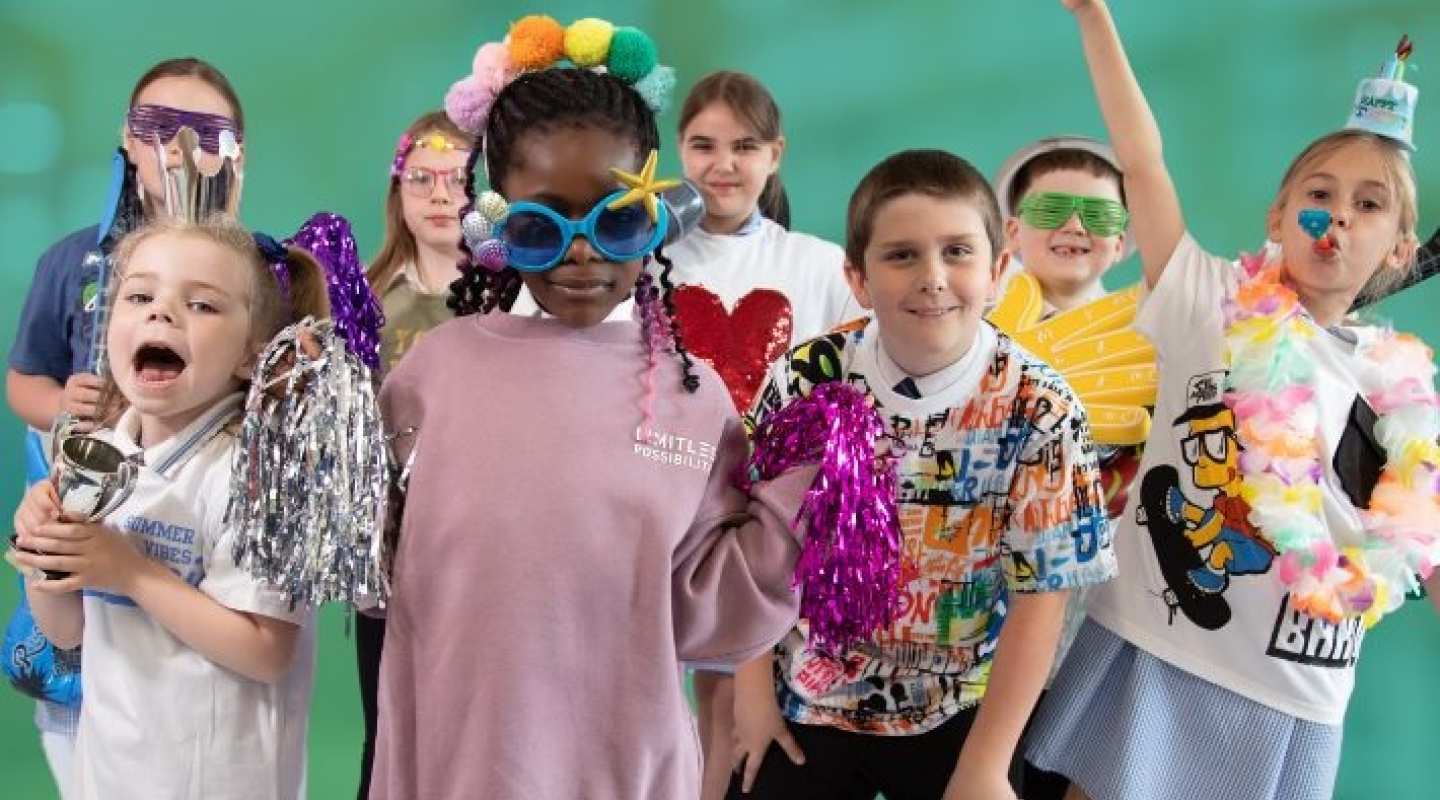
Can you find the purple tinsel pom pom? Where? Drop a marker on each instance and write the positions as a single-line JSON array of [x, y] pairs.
[[353, 306], [492, 255], [848, 572]]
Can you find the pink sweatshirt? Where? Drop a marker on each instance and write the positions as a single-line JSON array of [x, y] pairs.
[[553, 571]]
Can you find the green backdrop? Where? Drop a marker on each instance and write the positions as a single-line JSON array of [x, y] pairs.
[[1238, 86]]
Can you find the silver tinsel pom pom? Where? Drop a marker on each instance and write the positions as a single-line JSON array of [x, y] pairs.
[[309, 483], [476, 229]]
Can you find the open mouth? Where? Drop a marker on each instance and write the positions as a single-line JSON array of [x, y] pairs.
[[158, 364], [1069, 250]]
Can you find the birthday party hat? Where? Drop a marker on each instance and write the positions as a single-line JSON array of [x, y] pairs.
[[1385, 105]]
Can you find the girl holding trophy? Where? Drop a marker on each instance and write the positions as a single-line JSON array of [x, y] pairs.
[[203, 671]]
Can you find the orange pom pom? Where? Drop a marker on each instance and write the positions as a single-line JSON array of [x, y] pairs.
[[536, 42]]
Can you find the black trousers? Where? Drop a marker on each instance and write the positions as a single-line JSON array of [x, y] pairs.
[[840, 765], [369, 641]]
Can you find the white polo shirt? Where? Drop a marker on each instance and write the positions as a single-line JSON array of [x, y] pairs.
[[161, 720]]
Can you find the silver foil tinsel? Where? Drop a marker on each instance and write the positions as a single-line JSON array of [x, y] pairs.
[[309, 483]]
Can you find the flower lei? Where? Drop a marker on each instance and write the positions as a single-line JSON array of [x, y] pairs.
[[1271, 389]]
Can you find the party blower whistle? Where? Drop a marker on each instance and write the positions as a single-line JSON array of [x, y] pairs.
[[687, 209], [1316, 222]]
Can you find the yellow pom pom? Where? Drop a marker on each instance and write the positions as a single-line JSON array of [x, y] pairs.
[[587, 41], [536, 42]]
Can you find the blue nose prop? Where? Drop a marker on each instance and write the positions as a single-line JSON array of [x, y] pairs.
[[1315, 221]]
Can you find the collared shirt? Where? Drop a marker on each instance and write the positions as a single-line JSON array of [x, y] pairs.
[[159, 718]]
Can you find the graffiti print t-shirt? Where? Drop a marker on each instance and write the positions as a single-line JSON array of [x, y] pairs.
[[159, 718], [1198, 589], [999, 493]]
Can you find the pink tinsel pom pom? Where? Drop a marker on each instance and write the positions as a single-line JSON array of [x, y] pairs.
[[467, 104], [848, 572]]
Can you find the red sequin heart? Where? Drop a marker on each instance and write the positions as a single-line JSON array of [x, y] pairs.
[[739, 345]]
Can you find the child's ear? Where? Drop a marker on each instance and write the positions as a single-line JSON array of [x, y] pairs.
[[1012, 233], [1274, 222], [779, 145], [1402, 255], [855, 276], [1002, 263]]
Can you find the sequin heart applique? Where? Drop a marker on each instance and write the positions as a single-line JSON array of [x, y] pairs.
[[740, 345]]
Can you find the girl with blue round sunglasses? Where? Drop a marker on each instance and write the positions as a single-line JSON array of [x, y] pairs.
[[537, 237]]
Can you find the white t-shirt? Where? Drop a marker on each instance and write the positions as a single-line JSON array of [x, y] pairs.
[[743, 299], [1229, 623], [160, 720], [808, 271]]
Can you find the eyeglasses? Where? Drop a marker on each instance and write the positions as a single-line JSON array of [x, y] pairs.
[[421, 181], [537, 237], [1050, 210], [147, 122], [1216, 445]]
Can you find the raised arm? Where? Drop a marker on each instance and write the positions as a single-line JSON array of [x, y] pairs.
[[1155, 218]]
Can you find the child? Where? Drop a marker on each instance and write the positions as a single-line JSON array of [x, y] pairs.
[[1220, 663], [196, 677], [52, 366], [571, 532], [999, 502], [416, 262], [1044, 189], [415, 266], [1066, 258], [747, 288]]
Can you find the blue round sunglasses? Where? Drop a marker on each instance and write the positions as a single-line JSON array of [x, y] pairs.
[[537, 237]]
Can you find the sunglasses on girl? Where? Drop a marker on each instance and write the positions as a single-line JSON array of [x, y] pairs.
[[1050, 210], [537, 237], [420, 182], [147, 122]]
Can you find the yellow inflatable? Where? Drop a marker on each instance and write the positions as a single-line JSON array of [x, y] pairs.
[[1109, 365]]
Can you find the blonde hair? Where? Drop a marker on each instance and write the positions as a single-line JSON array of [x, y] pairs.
[[399, 246], [272, 307], [1399, 176]]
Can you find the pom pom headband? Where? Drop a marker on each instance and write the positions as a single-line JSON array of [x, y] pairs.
[[538, 42]]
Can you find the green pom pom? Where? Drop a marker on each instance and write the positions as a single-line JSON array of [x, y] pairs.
[[632, 55]]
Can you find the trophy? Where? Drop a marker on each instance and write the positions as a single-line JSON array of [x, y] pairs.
[[92, 478]]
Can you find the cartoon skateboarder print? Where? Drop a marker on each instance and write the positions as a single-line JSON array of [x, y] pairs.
[[1200, 545]]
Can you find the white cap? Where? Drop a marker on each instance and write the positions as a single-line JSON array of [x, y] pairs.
[[1005, 178]]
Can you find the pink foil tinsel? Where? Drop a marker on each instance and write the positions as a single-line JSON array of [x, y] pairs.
[[848, 572]]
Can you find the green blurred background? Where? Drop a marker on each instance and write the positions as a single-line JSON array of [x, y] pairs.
[[1239, 87]]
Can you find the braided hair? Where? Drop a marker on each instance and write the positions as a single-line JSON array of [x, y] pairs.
[[544, 101]]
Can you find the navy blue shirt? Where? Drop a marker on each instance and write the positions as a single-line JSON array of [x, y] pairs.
[[57, 323]]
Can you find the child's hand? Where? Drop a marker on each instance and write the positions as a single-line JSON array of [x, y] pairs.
[[81, 399], [1076, 5], [309, 345], [757, 724], [97, 557], [39, 505]]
